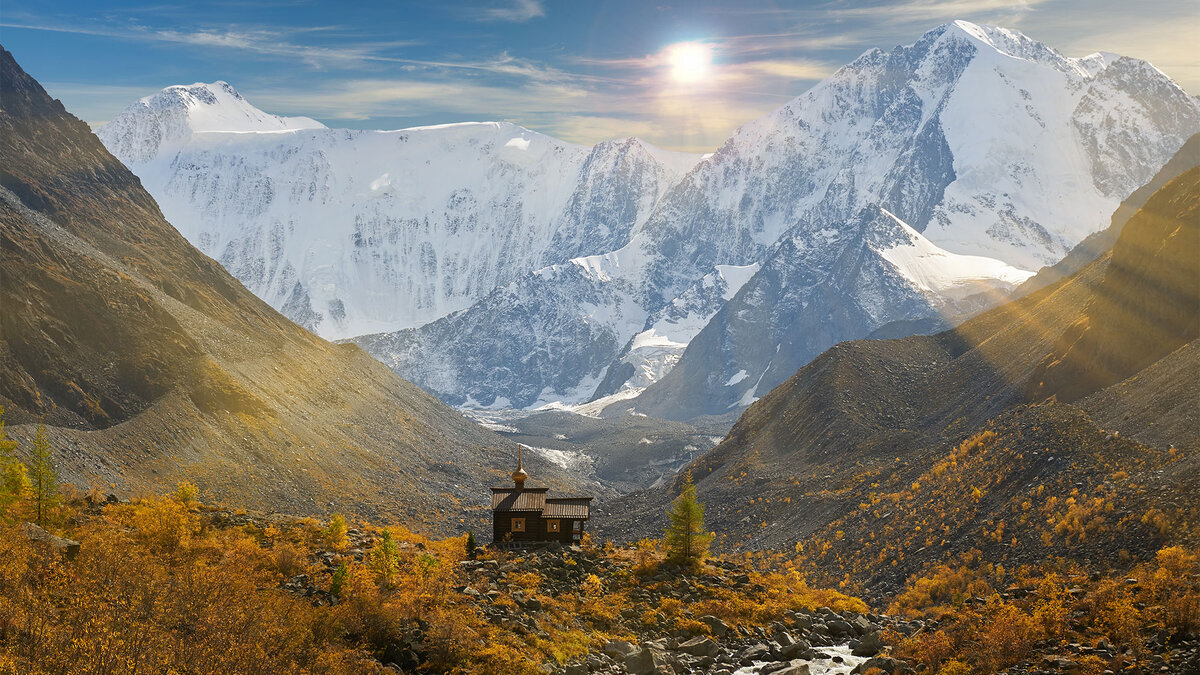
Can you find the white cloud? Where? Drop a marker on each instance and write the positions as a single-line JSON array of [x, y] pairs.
[[516, 11]]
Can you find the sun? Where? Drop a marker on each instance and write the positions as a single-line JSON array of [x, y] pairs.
[[689, 61]]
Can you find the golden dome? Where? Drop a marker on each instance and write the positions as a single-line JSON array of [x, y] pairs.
[[519, 475]]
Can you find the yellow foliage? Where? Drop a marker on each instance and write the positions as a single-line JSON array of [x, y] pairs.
[[162, 524]]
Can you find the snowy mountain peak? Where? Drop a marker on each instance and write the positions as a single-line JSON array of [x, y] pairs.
[[170, 117], [219, 107], [1003, 40]]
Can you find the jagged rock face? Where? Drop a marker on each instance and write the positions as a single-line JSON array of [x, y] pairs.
[[509, 352], [354, 232], [804, 300], [980, 140]]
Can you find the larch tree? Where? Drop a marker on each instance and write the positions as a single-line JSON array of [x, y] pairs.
[[687, 542], [43, 478], [14, 477]]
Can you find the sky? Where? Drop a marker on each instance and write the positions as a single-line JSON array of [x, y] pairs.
[[682, 75]]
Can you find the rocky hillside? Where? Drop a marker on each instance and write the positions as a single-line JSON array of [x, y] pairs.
[[262, 593], [881, 457], [151, 364]]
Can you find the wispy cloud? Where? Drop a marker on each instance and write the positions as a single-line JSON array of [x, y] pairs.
[[762, 57], [515, 11], [936, 9], [258, 41]]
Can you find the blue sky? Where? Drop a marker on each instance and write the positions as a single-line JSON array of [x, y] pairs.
[[581, 70]]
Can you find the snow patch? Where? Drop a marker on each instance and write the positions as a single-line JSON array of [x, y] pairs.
[[949, 275]]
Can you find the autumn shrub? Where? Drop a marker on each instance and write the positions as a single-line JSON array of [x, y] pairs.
[[1115, 614], [931, 649], [337, 581], [127, 599], [1050, 609], [592, 586], [163, 525], [1173, 587], [647, 556], [1006, 634], [385, 560], [290, 559], [187, 494], [944, 587], [527, 581], [955, 667]]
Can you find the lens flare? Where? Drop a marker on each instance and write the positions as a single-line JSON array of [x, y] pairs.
[[689, 61]]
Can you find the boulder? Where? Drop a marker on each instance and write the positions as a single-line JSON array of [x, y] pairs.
[[794, 668], [715, 626], [800, 649], [646, 661], [758, 652], [618, 649], [699, 646], [36, 534], [885, 664], [838, 627], [870, 645], [861, 625]]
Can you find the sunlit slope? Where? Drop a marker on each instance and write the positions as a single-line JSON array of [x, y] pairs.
[[151, 364], [1147, 306]]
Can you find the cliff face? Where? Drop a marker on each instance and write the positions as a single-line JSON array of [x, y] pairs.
[[151, 364]]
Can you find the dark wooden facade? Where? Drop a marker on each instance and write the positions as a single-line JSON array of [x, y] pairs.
[[528, 515]]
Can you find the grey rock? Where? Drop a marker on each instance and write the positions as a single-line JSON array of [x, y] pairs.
[[645, 661], [67, 547], [618, 649], [699, 646], [870, 645], [715, 625]]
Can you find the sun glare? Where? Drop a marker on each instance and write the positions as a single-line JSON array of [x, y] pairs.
[[689, 61]]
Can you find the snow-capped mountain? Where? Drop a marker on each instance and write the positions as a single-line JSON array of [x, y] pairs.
[[987, 152], [813, 291], [354, 232], [911, 184]]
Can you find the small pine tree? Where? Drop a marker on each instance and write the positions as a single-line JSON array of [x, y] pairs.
[[14, 477], [43, 478], [338, 581], [687, 542], [471, 545]]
